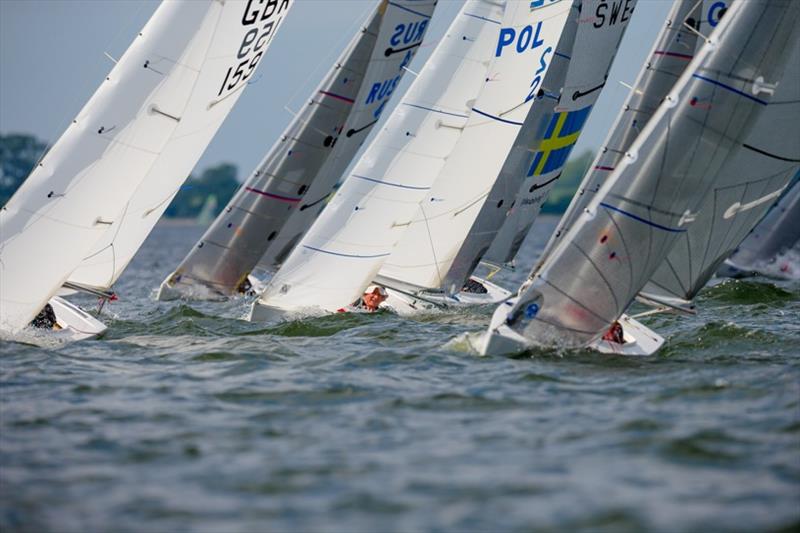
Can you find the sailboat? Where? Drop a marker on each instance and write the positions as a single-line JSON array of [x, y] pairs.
[[460, 217], [755, 175], [309, 157], [87, 206], [771, 248], [350, 241], [581, 288]]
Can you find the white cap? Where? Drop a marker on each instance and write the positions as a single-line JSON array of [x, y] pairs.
[[372, 289]]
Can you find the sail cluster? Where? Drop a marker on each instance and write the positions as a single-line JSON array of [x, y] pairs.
[[353, 205]]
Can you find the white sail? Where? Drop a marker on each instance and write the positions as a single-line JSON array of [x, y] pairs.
[[348, 243], [751, 181], [565, 102], [310, 155], [84, 181], [425, 254], [672, 51], [222, 59], [773, 238], [595, 271]]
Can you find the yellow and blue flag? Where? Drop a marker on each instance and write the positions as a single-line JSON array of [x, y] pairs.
[[562, 133]]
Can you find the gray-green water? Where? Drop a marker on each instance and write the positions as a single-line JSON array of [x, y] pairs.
[[185, 418]]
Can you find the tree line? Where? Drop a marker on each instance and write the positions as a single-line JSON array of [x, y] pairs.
[[19, 153]]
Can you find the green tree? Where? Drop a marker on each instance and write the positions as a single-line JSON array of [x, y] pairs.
[[19, 153], [219, 181], [564, 189]]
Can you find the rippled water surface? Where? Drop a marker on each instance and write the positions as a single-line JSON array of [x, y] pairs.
[[186, 418]]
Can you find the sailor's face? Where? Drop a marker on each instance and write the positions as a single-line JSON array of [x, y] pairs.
[[373, 299]]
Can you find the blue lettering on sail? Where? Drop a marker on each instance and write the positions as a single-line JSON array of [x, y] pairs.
[[527, 39], [408, 33], [382, 90], [715, 12]]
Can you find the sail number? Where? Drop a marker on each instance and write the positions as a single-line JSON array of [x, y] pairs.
[[264, 15], [528, 38]]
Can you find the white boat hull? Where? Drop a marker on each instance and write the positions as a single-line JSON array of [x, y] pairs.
[[75, 323], [406, 303], [502, 340]]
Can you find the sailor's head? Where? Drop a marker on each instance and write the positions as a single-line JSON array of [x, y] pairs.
[[373, 296]]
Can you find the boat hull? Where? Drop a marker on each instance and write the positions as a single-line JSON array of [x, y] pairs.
[[407, 303], [502, 340]]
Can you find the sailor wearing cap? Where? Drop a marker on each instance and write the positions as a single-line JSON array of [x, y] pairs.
[[373, 297]]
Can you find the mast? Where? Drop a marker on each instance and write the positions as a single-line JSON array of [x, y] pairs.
[[627, 230], [310, 155]]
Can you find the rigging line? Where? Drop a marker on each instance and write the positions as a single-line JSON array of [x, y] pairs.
[[433, 248], [347, 33], [404, 8], [708, 242]]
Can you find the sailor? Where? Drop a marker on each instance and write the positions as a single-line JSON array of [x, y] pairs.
[[474, 287], [370, 300], [615, 333], [46, 319]]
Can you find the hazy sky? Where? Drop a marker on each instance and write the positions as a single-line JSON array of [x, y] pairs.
[[52, 58]]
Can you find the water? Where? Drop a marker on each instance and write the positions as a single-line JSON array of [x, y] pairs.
[[185, 418]]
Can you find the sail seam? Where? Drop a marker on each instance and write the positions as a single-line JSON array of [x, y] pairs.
[[391, 184], [345, 255], [640, 219], [730, 88], [512, 122]]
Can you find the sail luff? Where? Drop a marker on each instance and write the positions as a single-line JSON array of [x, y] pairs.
[[626, 231], [83, 183]]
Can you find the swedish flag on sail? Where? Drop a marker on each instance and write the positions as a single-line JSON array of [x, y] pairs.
[[561, 135]]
